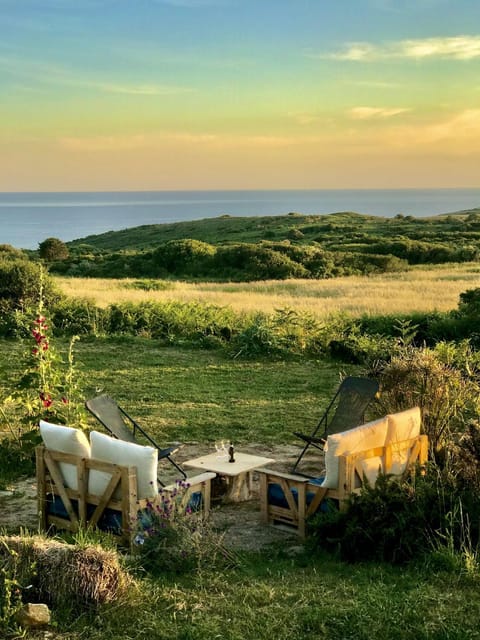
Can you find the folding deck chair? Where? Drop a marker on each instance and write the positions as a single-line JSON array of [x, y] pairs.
[[123, 427], [345, 411]]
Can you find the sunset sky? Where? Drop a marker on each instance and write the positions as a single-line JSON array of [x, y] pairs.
[[234, 94]]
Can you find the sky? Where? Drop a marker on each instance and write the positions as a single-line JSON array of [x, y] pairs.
[[100, 95]]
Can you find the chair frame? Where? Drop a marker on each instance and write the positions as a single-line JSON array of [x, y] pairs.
[[129, 436], [351, 478], [324, 424], [50, 482]]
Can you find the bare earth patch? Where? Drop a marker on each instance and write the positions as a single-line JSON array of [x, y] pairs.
[[241, 521]]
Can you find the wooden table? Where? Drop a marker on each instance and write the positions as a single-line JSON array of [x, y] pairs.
[[238, 474]]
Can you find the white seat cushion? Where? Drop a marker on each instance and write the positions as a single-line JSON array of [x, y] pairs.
[[125, 454], [66, 440], [367, 436]]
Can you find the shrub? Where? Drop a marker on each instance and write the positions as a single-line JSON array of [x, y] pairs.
[[172, 538], [255, 262], [24, 283], [78, 317], [172, 320], [447, 396], [284, 332], [53, 249], [184, 257], [396, 521]]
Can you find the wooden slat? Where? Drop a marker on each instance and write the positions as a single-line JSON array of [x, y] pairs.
[[106, 497], [58, 480], [41, 488]]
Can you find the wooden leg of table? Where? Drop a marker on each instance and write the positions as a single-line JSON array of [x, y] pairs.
[[238, 489]]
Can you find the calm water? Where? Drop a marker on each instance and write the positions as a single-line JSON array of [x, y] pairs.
[[28, 218]]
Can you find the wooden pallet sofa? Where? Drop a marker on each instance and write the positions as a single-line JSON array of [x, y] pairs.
[[391, 445], [104, 482]]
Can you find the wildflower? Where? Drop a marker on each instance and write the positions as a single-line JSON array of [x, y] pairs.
[[64, 400], [46, 399], [139, 539]]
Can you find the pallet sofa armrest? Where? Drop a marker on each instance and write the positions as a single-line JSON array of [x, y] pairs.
[[273, 473], [292, 510], [201, 483]]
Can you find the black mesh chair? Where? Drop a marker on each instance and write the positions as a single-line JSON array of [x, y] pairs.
[[345, 411], [122, 426]]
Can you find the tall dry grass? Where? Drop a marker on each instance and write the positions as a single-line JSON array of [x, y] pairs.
[[420, 289]]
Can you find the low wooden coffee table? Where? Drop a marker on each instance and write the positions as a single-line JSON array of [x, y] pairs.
[[238, 474]]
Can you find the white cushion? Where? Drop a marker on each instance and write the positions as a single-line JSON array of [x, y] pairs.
[[371, 467], [404, 425], [367, 436], [125, 454], [65, 440]]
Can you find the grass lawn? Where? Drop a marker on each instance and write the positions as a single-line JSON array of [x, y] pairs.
[[192, 395], [272, 597]]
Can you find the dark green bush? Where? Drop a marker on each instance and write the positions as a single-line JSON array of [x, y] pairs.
[[255, 262], [78, 317], [185, 257], [22, 283], [396, 521], [172, 320], [282, 333]]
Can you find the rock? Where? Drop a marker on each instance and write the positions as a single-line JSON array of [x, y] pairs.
[[33, 615]]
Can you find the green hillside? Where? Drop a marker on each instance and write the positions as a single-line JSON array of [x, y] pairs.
[[252, 229], [275, 247]]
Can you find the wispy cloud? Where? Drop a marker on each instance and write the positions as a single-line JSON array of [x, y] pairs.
[[41, 73], [304, 118], [462, 47], [369, 113], [90, 144], [462, 129]]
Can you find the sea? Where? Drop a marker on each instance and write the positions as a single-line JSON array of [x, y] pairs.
[[26, 219]]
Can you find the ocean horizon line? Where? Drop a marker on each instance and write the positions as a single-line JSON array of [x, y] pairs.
[[236, 190]]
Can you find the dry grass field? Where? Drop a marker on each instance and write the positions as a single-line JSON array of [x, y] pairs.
[[419, 289]]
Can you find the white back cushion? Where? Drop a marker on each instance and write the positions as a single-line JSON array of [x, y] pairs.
[[367, 436], [65, 440], [125, 454], [402, 426]]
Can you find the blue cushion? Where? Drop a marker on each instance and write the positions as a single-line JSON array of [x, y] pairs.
[[110, 520], [276, 496]]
